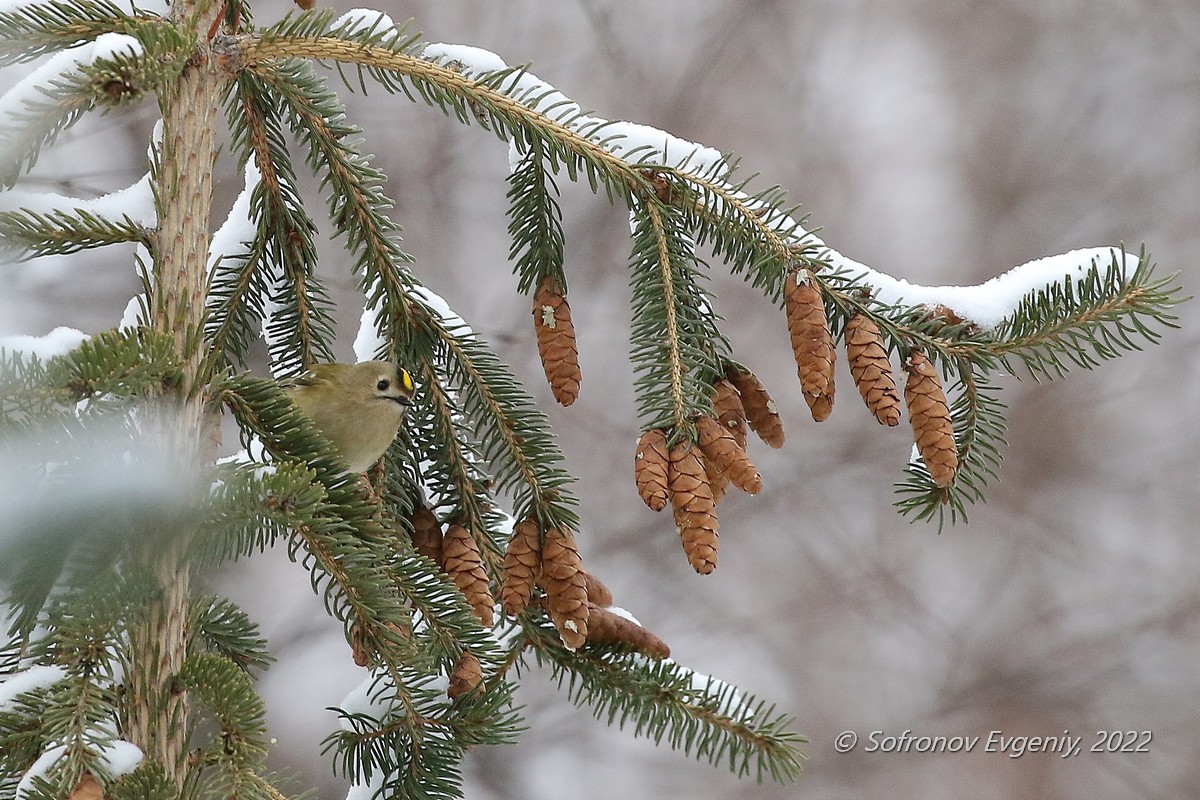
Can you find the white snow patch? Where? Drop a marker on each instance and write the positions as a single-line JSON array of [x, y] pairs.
[[109, 45], [472, 59], [990, 303], [366, 791], [134, 313], [118, 758], [255, 454], [363, 20], [238, 227], [29, 680], [121, 757], [438, 305], [30, 90], [57, 342], [631, 141], [134, 202], [39, 769], [368, 344]]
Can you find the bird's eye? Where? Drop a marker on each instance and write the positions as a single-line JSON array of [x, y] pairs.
[[383, 385]]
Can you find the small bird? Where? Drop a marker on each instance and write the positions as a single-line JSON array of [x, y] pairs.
[[358, 407]]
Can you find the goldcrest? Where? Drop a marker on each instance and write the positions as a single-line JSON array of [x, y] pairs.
[[358, 407]]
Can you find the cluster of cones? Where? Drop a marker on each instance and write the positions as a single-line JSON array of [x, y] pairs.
[[693, 474], [541, 568], [579, 605], [928, 411]]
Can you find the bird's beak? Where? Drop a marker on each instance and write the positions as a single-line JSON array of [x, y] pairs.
[[404, 401]]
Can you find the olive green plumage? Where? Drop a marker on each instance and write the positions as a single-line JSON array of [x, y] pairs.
[[358, 407]]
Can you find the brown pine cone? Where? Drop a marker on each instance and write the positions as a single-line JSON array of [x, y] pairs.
[[466, 677], [695, 510], [872, 370], [426, 533], [556, 341], [728, 408], [812, 343], [930, 417], [650, 468], [720, 450], [522, 561], [88, 788], [761, 411], [462, 562], [597, 593], [566, 590], [607, 627]]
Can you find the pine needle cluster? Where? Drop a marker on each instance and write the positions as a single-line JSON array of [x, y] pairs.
[[473, 501]]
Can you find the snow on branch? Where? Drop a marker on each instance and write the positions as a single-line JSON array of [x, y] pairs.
[[631, 141], [986, 305]]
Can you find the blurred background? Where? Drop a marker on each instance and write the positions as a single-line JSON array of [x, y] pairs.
[[942, 142]]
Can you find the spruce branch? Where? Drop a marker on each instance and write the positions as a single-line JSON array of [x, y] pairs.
[[676, 344], [228, 631], [238, 748], [30, 234], [415, 750], [513, 434], [367, 575], [979, 429], [355, 196], [31, 31], [535, 223], [664, 701], [60, 104], [300, 322], [1087, 320], [396, 68], [752, 233], [453, 472]]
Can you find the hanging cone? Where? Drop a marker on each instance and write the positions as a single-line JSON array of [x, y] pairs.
[[426, 533], [930, 417], [650, 468], [520, 570], [566, 591], [760, 409], [556, 341], [88, 788], [466, 677], [721, 451], [872, 370], [462, 562], [812, 343], [728, 408], [695, 510], [597, 593], [607, 627]]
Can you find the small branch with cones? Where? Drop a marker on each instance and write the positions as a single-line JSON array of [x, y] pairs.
[[693, 475]]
